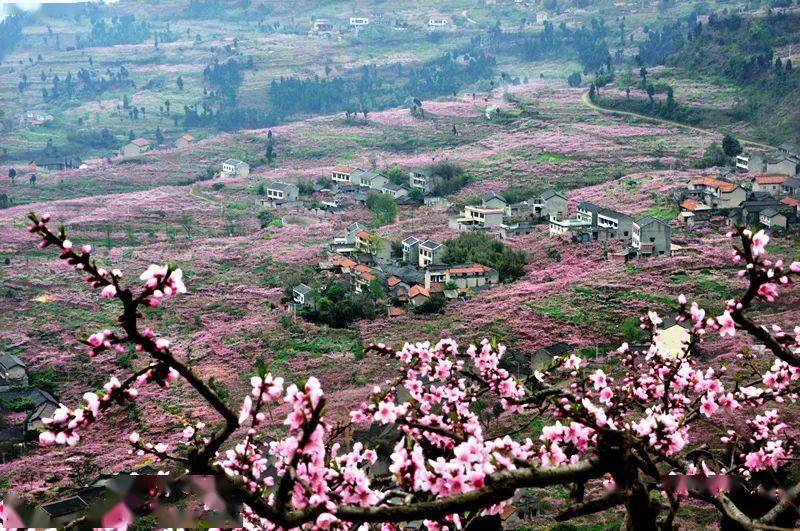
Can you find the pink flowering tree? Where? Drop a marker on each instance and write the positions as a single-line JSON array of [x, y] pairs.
[[657, 423]]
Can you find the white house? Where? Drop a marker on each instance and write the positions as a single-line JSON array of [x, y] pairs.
[[476, 217], [438, 21], [136, 147], [323, 25], [344, 174], [430, 252], [395, 190], [232, 167], [278, 192], [564, 226], [302, 295], [359, 22], [372, 180]]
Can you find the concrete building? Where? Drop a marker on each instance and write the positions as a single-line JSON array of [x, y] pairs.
[[344, 175], [278, 192], [136, 147], [421, 178], [235, 167], [411, 250], [479, 218], [430, 253], [651, 237], [184, 140]]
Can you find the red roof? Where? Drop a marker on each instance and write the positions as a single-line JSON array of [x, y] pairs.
[[393, 281], [363, 269], [770, 179], [396, 311], [363, 234], [342, 169], [724, 186], [693, 205], [343, 261], [418, 290], [475, 269], [791, 201]]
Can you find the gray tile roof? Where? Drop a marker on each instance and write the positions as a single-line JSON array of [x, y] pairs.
[[613, 213], [281, 186], [302, 289], [648, 220], [430, 244], [551, 193], [64, 507], [9, 361], [589, 207], [558, 349]]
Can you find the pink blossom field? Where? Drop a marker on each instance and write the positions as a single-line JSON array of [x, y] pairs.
[[140, 213]]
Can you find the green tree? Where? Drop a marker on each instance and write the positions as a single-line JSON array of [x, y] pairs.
[[383, 208], [265, 217], [159, 136], [731, 146], [671, 105], [712, 156], [477, 247], [396, 175], [574, 79]]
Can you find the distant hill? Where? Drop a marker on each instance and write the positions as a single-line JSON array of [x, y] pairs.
[[752, 52]]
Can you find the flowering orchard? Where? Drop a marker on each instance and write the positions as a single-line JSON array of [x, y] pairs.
[[628, 433]]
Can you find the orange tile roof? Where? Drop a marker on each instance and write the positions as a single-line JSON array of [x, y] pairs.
[[418, 290], [396, 311], [724, 186], [791, 201], [342, 169], [476, 268], [507, 511], [363, 234], [369, 277], [393, 281], [436, 287], [693, 205], [770, 179], [343, 261], [188, 138], [141, 142], [363, 269]]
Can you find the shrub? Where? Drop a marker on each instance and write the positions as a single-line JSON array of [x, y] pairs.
[[476, 247]]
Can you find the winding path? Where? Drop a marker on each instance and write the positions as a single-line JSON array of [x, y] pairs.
[[606, 110]]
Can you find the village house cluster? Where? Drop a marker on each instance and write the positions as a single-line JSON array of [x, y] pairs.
[[764, 192], [328, 27], [362, 258], [644, 237], [18, 396], [497, 216]]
